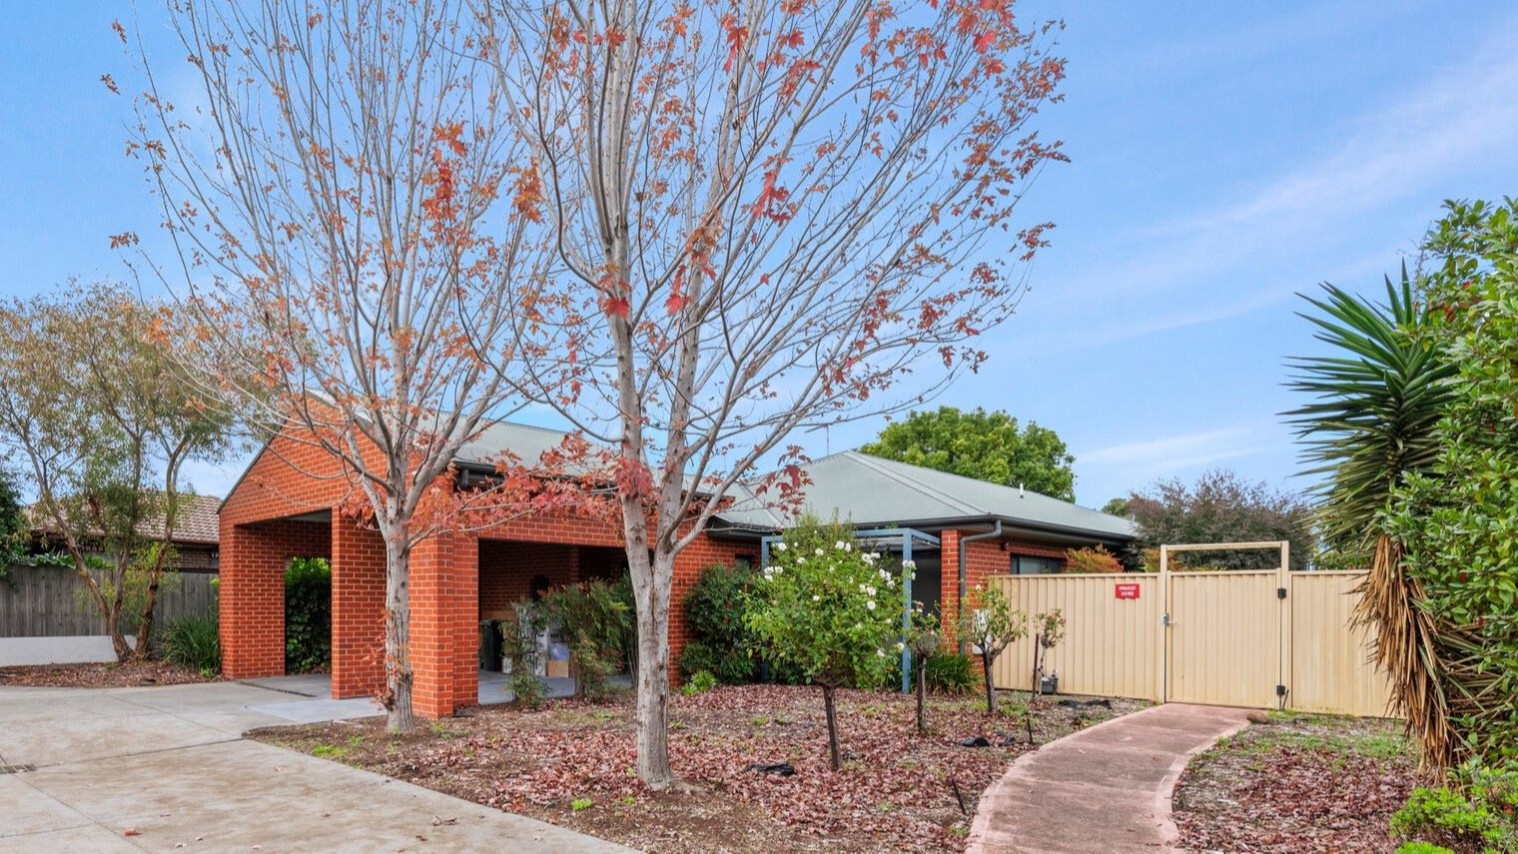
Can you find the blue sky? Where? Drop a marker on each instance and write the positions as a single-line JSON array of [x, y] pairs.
[[1225, 156]]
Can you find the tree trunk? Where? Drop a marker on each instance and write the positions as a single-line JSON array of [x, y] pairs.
[[398, 677], [1033, 688], [651, 577], [922, 693], [986, 661], [119, 644], [832, 716], [145, 628]]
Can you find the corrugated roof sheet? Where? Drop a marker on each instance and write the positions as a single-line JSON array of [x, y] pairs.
[[871, 491]]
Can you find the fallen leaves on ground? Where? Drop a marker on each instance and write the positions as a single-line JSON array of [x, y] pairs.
[[133, 674], [894, 792], [1297, 783]]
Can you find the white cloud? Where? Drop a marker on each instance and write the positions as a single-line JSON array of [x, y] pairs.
[[1237, 257], [1169, 454]]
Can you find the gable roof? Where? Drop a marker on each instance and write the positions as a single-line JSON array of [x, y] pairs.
[[870, 491], [198, 521]]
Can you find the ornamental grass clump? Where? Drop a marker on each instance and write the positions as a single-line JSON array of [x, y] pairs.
[[831, 611]]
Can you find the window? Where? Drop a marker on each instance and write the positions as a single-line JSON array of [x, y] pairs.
[[1029, 565], [744, 561]]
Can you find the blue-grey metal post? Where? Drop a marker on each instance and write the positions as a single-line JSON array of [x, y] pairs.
[[906, 612]]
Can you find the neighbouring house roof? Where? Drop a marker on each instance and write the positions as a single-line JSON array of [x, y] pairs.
[[870, 491], [197, 523]]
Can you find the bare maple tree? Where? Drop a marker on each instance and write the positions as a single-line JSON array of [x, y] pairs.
[[766, 216], [333, 185]]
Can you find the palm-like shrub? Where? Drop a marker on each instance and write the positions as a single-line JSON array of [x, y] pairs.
[[1372, 424]]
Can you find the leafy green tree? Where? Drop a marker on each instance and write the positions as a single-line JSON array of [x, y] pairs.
[[1222, 508], [1372, 423], [1455, 520], [991, 625], [102, 426], [830, 610], [986, 446]]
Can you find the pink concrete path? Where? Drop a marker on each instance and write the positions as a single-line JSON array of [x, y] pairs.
[[1107, 788]]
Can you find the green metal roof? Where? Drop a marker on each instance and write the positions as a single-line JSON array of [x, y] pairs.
[[859, 489], [872, 492]]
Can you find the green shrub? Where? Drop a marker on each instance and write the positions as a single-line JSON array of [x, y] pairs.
[[308, 615], [519, 646], [714, 607], [699, 683], [950, 673], [594, 620], [1422, 848], [194, 643], [1473, 811]]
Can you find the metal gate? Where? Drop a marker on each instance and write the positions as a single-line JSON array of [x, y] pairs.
[[1224, 632], [1258, 638]]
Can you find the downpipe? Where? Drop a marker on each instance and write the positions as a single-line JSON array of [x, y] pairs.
[[963, 552]]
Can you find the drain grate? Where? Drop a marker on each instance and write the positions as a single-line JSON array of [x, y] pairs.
[[16, 769]]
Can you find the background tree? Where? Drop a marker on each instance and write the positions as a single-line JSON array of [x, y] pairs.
[[985, 446], [103, 427], [991, 625], [1222, 508], [345, 242], [766, 217], [1372, 423], [829, 610]]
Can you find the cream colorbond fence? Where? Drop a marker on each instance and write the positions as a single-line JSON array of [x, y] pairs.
[[1265, 639]]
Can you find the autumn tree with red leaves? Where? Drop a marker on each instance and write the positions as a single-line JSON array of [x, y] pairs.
[[333, 183], [765, 216]]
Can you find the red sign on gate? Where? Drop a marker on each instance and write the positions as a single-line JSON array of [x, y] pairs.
[[1125, 591]]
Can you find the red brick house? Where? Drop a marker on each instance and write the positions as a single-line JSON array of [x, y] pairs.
[[284, 506]]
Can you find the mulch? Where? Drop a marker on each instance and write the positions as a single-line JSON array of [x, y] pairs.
[[133, 674], [572, 764], [1297, 783]]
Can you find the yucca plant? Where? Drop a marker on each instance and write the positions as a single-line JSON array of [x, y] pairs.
[[1373, 421]]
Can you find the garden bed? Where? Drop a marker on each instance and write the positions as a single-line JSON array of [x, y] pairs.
[[135, 674], [1296, 782], [572, 764]]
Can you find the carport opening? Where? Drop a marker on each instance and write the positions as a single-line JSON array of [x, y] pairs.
[[308, 615], [512, 572]]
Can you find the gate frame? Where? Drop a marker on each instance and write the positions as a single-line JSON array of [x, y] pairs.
[[1283, 585]]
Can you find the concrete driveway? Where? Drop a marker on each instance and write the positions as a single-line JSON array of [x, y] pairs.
[[164, 769]]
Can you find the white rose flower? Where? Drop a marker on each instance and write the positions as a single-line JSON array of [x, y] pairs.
[[870, 604], [801, 561], [839, 545], [848, 547], [820, 552], [901, 647], [909, 564], [816, 598], [880, 652], [780, 547]]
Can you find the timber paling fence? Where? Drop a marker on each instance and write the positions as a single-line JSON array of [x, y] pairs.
[[1253, 638], [50, 601]]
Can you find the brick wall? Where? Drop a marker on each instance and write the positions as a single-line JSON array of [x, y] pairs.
[[983, 558], [453, 580], [506, 569], [358, 610], [252, 591]]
